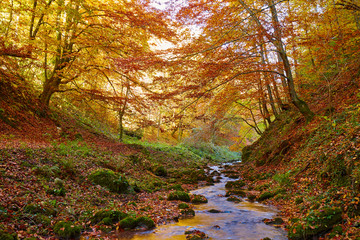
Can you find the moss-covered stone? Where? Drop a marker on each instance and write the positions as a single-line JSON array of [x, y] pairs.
[[315, 224], [160, 171], [188, 212], [67, 230], [109, 179], [214, 211], [145, 222], [195, 235], [235, 184], [266, 195], [177, 187], [240, 193], [179, 195], [38, 209], [197, 198], [233, 199], [251, 197], [108, 217], [183, 206], [128, 223]]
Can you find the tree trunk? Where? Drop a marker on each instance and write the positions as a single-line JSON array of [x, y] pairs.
[[275, 39], [300, 104]]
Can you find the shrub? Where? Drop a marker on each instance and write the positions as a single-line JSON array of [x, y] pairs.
[[179, 195], [67, 230], [107, 178]]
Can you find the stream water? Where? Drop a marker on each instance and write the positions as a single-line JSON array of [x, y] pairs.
[[235, 221]]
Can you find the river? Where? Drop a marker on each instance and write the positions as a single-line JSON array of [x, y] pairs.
[[235, 221]]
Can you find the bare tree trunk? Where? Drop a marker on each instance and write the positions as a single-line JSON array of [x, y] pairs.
[[275, 39], [267, 84], [122, 113]]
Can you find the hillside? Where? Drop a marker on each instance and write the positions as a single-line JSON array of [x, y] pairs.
[[311, 170]]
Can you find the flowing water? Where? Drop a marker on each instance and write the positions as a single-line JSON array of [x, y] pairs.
[[235, 221]]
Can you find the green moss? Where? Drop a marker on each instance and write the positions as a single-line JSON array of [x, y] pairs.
[[128, 223], [160, 171], [42, 219], [146, 222], [177, 187], [240, 193], [57, 191], [107, 178], [188, 212], [183, 206], [65, 229], [179, 195], [197, 198], [107, 221], [266, 195], [111, 215], [251, 197], [37, 209], [233, 199], [7, 236], [316, 223]]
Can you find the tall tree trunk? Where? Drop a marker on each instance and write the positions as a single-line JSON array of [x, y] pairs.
[[267, 83], [122, 113], [275, 39]]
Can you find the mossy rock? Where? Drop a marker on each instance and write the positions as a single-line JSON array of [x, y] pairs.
[[235, 184], [214, 211], [67, 230], [160, 171], [183, 206], [176, 187], [37, 209], [107, 178], [42, 219], [145, 222], [195, 235], [7, 236], [240, 193], [316, 223], [128, 223], [107, 216], [251, 197], [266, 195], [197, 198], [233, 199], [179, 195], [188, 212]]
